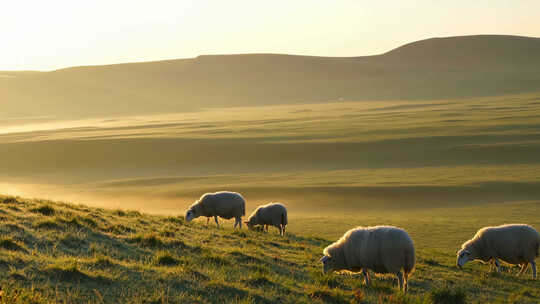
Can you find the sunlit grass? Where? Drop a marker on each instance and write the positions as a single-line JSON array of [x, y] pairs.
[[193, 263]]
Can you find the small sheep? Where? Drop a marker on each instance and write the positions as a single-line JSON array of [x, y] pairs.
[[512, 243], [274, 214], [223, 204], [382, 249]]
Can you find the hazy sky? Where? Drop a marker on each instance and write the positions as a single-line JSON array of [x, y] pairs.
[[46, 35]]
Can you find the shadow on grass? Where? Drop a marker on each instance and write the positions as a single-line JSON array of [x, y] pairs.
[[71, 273]]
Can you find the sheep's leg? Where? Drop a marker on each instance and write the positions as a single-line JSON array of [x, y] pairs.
[[533, 266], [237, 222], [367, 279], [207, 220], [400, 279], [284, 230], [215, 219], [405, 280], [265, 228], [523, 268], [498, 265]]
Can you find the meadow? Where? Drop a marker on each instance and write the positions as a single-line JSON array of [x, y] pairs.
[[441, 169], [53, 252]]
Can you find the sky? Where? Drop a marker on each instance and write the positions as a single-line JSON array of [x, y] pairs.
[[53, 34]]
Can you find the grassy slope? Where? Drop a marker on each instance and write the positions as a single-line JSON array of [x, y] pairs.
[[453, 67], [75, 254]]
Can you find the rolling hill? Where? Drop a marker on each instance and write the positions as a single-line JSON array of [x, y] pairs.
[[438, 68]]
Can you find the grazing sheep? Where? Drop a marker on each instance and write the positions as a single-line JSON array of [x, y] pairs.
[[223, 204], [274, 214], [382, 249], [512, 243]]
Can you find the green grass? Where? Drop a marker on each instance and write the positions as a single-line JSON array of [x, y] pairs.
[[159, 259]]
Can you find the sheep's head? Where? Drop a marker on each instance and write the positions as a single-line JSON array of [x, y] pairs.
[[190, 215], [463, 256], [328, 264], [250, 223]]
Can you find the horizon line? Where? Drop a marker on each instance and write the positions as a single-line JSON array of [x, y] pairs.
[[244, 54]]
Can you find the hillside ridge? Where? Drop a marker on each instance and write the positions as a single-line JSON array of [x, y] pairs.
[[438, 68]]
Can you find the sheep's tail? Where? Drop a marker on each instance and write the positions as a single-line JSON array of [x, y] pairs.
[[284, 218], [244, 209], [537, 249], [408, 266]]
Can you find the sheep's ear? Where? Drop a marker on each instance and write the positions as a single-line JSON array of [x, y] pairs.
[[324, 258]]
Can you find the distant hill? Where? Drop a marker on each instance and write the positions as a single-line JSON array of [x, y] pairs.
[[453, 67]]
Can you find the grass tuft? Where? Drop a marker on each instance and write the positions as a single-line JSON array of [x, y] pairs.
[[259, 281], [448, 295], [167, 233], [69, 273], [163, 258], [9, 200], [239, 233], [327, 280], [431, 262], [244, 258], [50, 224], [149, 240], [119, 229], [102, 262], [175, 219], [46, 210], [196, 275], [215, 259], [84, 221], [72, 241], [328, 296], [9, 244]]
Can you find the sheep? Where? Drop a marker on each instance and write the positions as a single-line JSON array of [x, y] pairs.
[[382, 249], [511, 243], [274, 214], [223, 204]]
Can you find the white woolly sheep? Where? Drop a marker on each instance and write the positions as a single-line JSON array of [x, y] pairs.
[[381, 249], [274, 214], [223, 204], [515, 244]]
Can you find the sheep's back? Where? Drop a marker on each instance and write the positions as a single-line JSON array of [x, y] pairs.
[[224, 204], [270, 214], [514, 243], [383, 249]]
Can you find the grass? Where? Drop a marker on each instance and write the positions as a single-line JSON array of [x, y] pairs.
[[45, 210], [10, 244], [149, 240], [193, 263], [164, 258], [448, 295]]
